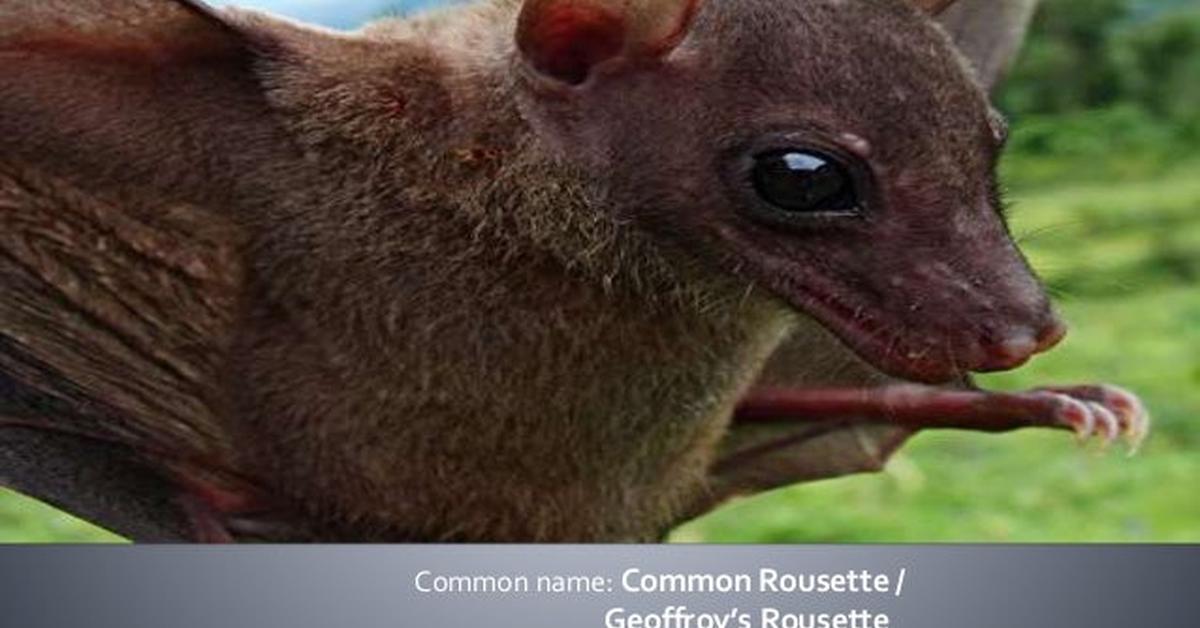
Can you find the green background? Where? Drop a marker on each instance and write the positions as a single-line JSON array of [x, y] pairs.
[[1103, 178]]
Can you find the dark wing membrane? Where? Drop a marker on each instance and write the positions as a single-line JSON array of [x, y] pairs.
[[118, 315], [96, 481], [128, 132]]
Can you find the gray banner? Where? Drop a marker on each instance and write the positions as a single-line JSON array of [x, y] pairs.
[[602, 586]]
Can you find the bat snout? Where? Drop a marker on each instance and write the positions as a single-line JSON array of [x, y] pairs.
[[1018, 345]]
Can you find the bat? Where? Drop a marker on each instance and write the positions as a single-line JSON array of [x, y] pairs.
[[552, 270]]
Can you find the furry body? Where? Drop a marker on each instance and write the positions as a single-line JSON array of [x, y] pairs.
[[493, 304]]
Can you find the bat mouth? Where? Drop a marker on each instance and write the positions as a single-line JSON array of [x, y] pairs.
[[904, 350], [882, 345]]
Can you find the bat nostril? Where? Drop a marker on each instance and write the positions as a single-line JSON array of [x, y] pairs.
[[1014, 350], [1015, 347], [1051, 335], [1009, 351]]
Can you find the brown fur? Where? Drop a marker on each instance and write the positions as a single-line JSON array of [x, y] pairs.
[[495, 308], [435, 302]]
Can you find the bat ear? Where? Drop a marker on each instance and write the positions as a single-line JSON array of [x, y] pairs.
[[934, 7], [989, 33], [566, 39]]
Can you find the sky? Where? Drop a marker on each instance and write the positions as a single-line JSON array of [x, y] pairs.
[[352, 13], [334, 13]]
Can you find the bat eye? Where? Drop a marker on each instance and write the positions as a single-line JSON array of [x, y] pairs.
[[803, 181]]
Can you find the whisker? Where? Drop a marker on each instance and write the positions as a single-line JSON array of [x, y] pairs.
[[1033, 235]]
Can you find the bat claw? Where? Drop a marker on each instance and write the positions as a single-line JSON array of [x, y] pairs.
[[1135, 418], [226, 513], [205, 524], [1119, 411], [1109, 423], [1076, 415]]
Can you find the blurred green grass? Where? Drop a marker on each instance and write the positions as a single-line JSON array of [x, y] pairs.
[[24, 520]]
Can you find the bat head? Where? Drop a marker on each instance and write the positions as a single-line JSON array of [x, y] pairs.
[[836, 152]]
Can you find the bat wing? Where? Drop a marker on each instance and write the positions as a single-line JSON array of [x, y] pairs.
[[126, 129], [758, 457]]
